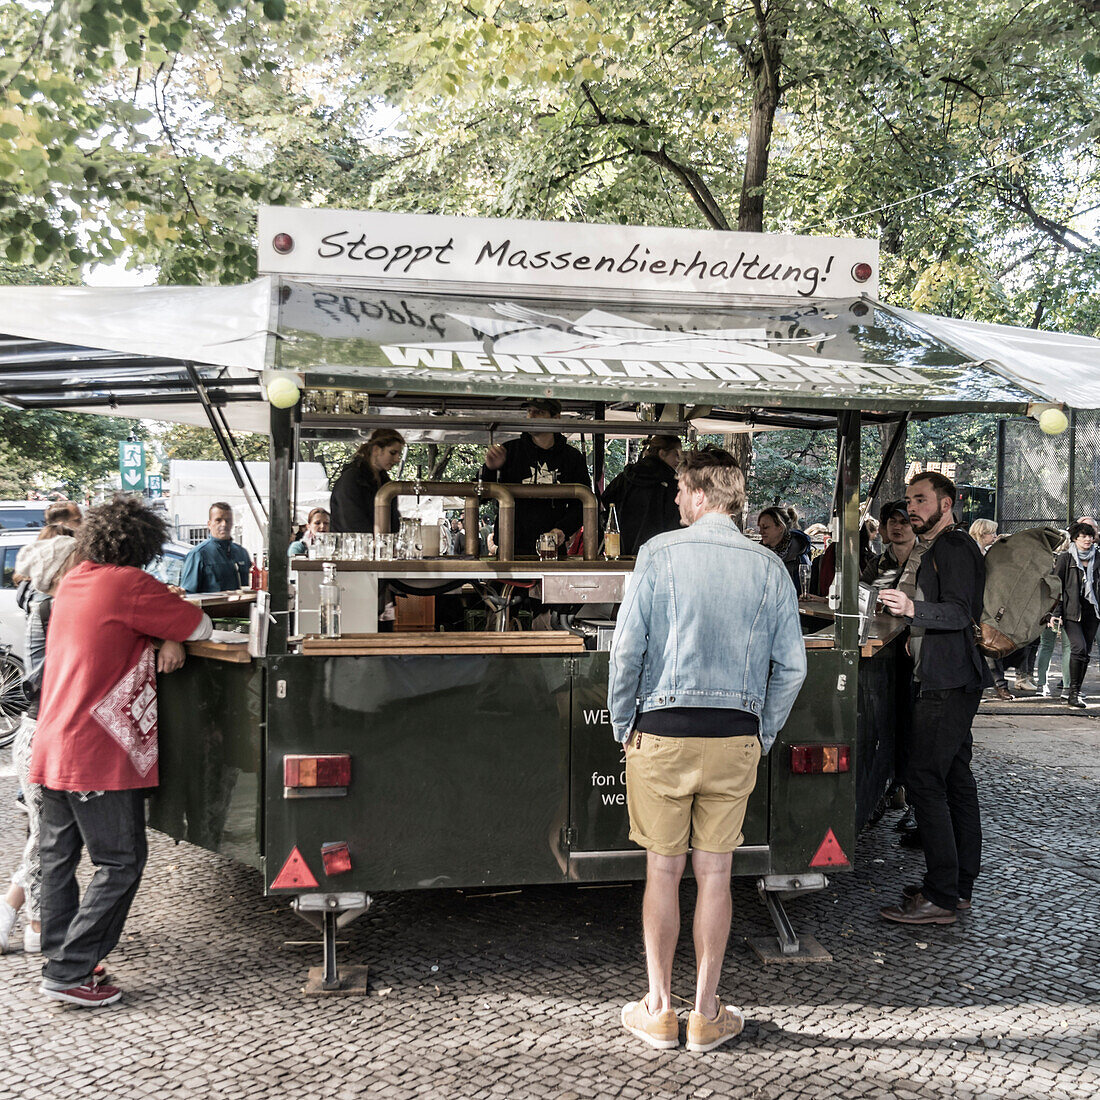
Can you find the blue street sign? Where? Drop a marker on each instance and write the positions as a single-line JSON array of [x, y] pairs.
[[131, 466]]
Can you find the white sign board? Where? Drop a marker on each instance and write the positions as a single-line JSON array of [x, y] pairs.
[[372, 247]]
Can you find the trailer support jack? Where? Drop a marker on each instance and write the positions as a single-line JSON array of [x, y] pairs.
[[787, 946], [329, 913]]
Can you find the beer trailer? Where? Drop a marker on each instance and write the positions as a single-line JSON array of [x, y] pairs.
[[427, 758]]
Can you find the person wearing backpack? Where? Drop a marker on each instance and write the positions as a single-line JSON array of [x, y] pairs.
[[1079, 609], [950, 672]]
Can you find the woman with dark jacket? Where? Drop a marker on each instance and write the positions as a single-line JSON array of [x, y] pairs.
[[352, 504], [1079, 609], [792, 546], [644, 494]]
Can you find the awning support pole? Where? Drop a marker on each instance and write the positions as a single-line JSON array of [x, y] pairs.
[[240, 459], [887, 458], [278, 564], [204, 399], [847, 620]]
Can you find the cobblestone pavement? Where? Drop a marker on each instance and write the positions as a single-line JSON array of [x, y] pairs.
[[519, 994]]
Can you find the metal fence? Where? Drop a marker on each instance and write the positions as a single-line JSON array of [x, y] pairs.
[[1047, 479]]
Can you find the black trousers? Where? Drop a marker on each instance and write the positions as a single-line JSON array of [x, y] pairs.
[[941, 789], [1081, 635], [78, 932]]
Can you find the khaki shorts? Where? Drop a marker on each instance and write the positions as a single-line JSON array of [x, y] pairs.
[[689, 791]]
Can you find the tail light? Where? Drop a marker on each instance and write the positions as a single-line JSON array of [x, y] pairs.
[[324, 776], [820, 759], [336, 857]]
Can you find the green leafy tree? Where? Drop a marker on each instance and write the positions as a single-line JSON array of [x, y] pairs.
[[71, 451]]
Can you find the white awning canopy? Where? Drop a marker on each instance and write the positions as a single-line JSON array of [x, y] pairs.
[[132, 351]]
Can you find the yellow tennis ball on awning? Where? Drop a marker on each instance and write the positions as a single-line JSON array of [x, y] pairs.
[[1053, 421], [283, 392]]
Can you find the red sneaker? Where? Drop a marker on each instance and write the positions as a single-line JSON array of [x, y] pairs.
[[88, 995]]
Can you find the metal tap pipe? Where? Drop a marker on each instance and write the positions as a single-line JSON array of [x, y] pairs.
[[590, 508], [502, 494]]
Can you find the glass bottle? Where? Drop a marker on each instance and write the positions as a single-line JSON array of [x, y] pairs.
[[330, 602], [611, 541]]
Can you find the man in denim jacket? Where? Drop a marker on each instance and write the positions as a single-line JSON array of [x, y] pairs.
[[706, 663]]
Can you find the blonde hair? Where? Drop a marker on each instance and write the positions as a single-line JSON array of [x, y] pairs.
[[718, 474], [982, 527]]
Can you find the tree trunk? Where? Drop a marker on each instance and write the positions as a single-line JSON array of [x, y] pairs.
[[764, 71], [893, 484], [739, 444]]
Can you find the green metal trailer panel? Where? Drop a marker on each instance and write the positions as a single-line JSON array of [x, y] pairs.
[[211, 752]]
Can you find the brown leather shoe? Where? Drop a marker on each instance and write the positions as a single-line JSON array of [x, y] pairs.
[[963, 905], [918, 910]]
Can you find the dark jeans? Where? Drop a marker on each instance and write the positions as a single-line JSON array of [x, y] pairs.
[[77, 933], [941, 789], [905, 696], [1083, 634]]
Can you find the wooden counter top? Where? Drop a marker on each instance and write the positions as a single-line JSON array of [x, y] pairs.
[[456, 643], [488, 567], [884, 629]]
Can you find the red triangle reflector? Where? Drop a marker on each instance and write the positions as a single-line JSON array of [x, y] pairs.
[[295, 873], [830, 854]]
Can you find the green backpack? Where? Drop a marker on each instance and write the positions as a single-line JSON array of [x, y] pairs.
[[1021, 589]]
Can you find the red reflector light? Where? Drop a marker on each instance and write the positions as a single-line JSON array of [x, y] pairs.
[[336, 858], [862, 272], [295, 874], [830, 853], [820, 759], [283, 243], [327, 770]]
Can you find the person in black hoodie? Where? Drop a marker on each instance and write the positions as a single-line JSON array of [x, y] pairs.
[[352, 505], [645, 493], [539, 458]]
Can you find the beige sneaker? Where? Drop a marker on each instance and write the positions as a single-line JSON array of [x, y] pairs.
[[661, 1031], [704, 1034]]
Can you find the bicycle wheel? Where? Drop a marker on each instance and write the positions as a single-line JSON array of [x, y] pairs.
[[12, 700]]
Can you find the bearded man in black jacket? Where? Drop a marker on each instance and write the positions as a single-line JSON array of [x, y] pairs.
[[950, 675]]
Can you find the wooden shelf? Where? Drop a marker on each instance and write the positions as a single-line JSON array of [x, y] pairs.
[[234, 653]]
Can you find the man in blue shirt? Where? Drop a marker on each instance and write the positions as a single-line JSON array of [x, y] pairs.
[[218, 564]]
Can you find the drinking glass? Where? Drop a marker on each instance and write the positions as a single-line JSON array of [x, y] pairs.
[[385, 546], [804, 579]]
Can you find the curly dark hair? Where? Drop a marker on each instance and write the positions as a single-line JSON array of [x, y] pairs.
[[1076, 529], [121, 532]]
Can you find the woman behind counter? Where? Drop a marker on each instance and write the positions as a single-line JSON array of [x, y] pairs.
[[645, 493], [352, 502], [792, 545]]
